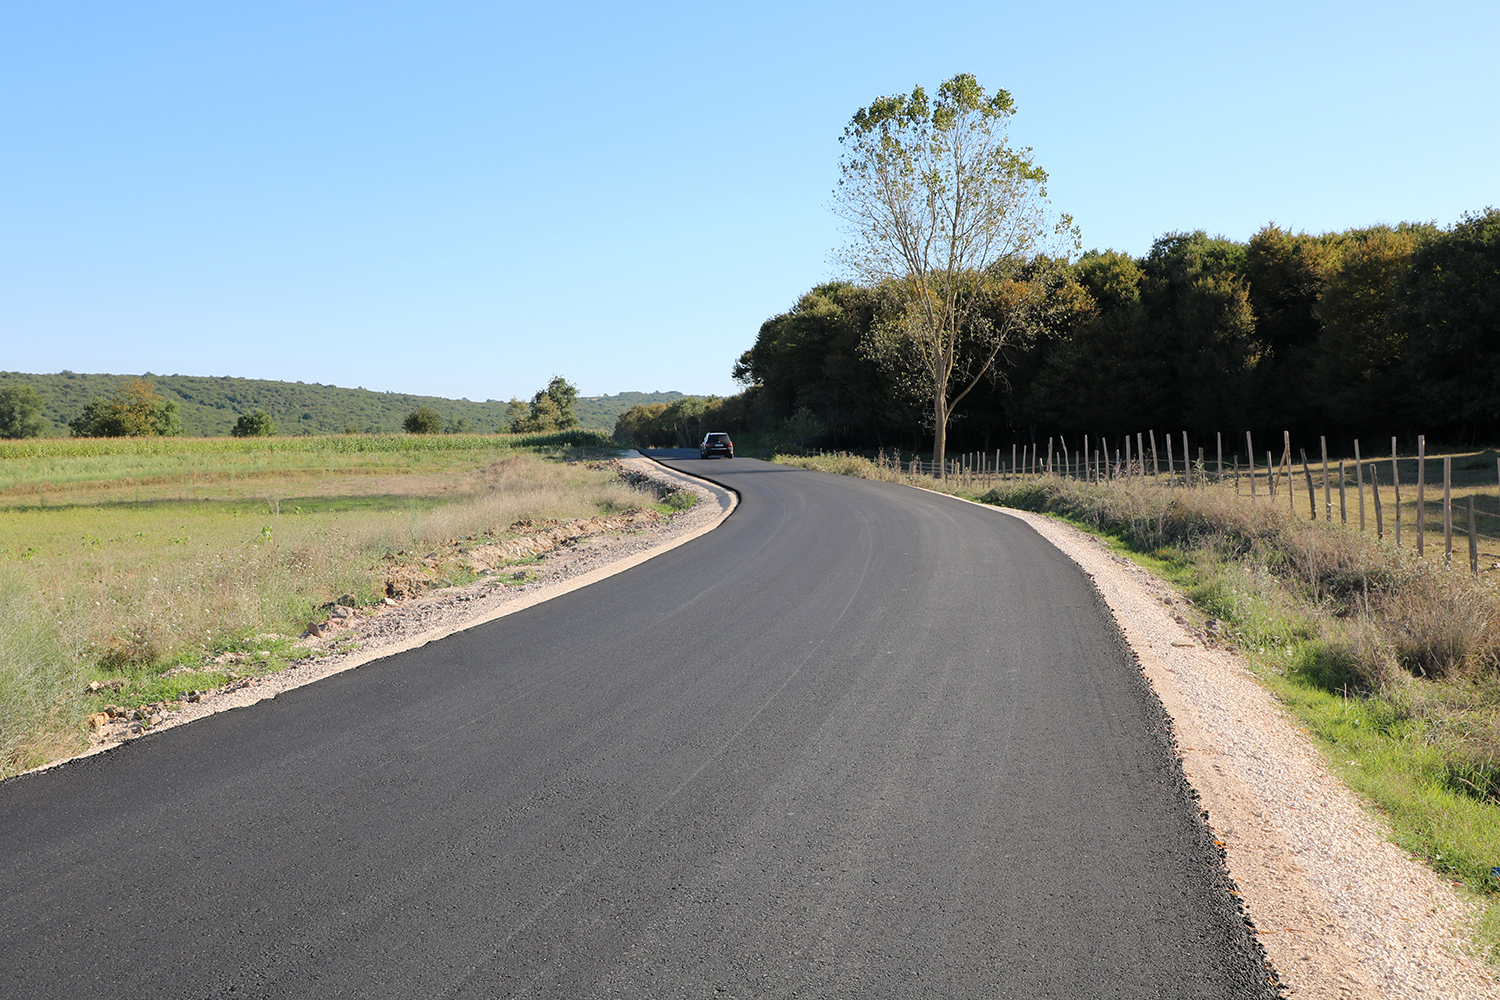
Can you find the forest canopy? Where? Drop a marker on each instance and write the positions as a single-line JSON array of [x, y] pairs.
[[1373, 331]]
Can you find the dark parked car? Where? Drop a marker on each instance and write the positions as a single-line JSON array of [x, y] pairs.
[[716, 443]]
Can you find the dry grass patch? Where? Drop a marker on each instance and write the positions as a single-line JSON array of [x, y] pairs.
[[127, 579]]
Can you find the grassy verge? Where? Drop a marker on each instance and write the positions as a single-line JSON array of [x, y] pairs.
[[161, 566], [1391, 662]]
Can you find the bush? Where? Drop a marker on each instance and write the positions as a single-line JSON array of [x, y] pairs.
[[256, 423], [20, 412], [136, 410], [423, 420]]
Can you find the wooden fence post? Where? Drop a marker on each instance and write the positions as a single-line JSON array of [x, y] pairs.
[[1250, 450], [1140, 455], [1155, 466], [1327, 496], [1270, 475], [1359, 484], [1312, 493], [1343, 507], [1396, 485], [1375, 485], [1421, 493], [1202, 470], [1187, 463], [1473, 540], [1286, 460], [1219, 436], [1171, 465], [1447, 508]]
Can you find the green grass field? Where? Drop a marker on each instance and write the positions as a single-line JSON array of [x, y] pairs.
[[120, 559]]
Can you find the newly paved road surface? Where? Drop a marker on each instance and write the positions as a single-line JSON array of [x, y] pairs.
[[860, 741]]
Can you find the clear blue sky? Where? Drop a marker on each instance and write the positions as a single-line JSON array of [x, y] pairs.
[[463, 199]]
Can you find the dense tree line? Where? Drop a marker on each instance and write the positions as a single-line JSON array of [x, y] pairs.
[[683, 422], [1375, 331]]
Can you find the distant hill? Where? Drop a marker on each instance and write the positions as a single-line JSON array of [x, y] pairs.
[[209, 406], [601, 411]]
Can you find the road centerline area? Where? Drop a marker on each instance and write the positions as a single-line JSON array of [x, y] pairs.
[[857, 741]]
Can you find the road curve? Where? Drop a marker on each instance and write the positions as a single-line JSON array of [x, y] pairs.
[[859, 741]]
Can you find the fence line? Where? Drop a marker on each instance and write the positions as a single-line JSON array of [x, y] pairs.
[[1096, 465]]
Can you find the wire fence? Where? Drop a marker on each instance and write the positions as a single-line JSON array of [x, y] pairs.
[[1367, 491]]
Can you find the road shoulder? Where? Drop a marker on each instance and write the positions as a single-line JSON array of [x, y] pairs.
[[1340, 910]]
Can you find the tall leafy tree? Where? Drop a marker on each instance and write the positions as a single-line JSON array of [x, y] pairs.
[[256, 423], [423, 420], [564, 395], [135, 410], [1357, 370], [551, 409], [20, 411], [1198, 302], [812, 358], [942, 209], [1103, 368], [1286, 273], [1451, 310]]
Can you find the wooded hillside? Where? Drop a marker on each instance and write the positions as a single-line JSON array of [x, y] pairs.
[[208, 406]]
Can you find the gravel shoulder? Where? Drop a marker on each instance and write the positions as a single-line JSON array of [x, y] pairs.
[[382, 631], [1341, 911]]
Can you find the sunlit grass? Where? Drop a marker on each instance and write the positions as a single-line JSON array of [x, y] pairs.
[[134, 577]]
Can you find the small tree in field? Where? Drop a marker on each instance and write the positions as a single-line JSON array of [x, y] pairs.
[[256, 423], [135, 410], [20, 412], [423, 420], [942, 212], [551, 409]]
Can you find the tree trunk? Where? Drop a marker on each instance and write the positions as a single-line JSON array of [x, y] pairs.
[[940, 432]]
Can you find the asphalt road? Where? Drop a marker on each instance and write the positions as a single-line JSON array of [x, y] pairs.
[[860, 741]]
